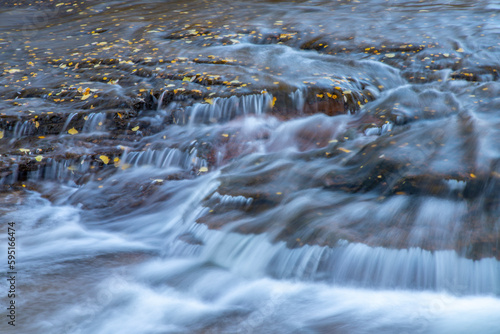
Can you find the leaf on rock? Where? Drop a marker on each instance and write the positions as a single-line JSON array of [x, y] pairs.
[[72, 131]]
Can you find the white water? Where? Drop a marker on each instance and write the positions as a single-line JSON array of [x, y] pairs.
[[154, 269]]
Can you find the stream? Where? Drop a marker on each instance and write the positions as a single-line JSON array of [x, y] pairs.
[[264, 166]]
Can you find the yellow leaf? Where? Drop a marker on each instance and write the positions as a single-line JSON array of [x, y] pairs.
[[85, 96], [343, 149], [38, 158], [209, 101], [24, 150], [72, 131], [37, 125], [460, 50], [104, 159], [186, 79], [135, 128], [472, 175], [274, 102], [14, 70], [390, 55], [225, 135], [203, 169], [1, 134]]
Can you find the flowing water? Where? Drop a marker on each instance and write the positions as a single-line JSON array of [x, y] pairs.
[[252, 166]]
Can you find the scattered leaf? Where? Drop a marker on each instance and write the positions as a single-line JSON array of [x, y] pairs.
[[343, 150], [72, 131], [104, 159], [203, 169], [135, 128], [38, 158]]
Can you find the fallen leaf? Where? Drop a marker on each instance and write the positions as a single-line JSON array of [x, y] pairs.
[[104, 159], [203, 169], [38, 158], [72, 131], [135, 128]]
